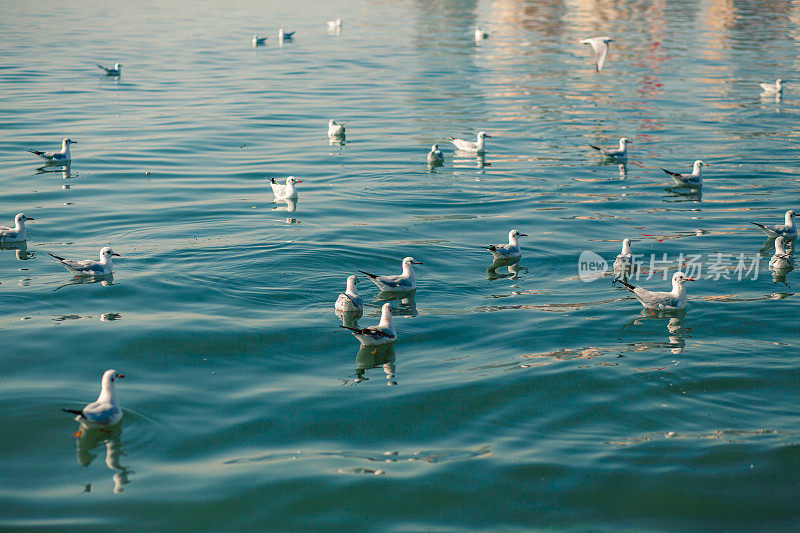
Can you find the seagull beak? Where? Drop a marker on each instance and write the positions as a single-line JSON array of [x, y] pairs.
[[706, 165], [298, 181], [73, 142], [29, 218], [689, 279], [523, 234], [115, 255], [487, 135], [417, 262], [120, 375]]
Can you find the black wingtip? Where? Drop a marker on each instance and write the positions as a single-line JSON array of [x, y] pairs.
[[670, 173], [595, 147], [625, 284], [351, 329], [759, 225], [368, 274], [37, 152], [73, 411], [272, 180], [55, 257]]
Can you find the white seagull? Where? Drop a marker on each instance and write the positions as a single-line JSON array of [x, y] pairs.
[[349, 301], [787, 229], [116, 70], [781, 260], [624, 260], [335, 23], [90, 267], [435, 155], [104, 411], [258, 41], [695, 179], [615, 153], [510, 250], [397, 283], [285, 192], [335, 129], [285, 35], [62, 156], [600, 46], [480, 34], [772, 89], [469, 146], [383, 333], [675, 299], [18, 233]]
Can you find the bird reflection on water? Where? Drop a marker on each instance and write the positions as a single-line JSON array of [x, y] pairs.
[[90, 438]]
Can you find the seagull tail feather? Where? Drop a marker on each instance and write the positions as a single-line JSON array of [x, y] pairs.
[[673, 174], [595, 147], [368, 274], [351, 329], [57, 258], [73, 411], [37, 152]]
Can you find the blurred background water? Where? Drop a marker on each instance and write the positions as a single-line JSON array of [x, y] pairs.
[[519, 399]]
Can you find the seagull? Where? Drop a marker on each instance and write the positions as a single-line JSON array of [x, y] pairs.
[[781, 260], [90, 267], [615, 153], [397, 283], [600, 46], [623, 263], [435, 155], [335, 23], [18, 233], [675, 299], [285, 192], [695, 179], [773, 89], [62, 156], [115, 71], [335, 129], [510, 250], [349, 301], [105, 411], [258, 41], [787, 230], [383, 333], [285, 35], [480, 34], [469, 146]]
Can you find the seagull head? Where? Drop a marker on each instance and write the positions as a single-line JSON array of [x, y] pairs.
[[700, 163], [514, 233], [780, 241], [623, 141], [107, 252], [408, 261], [291, 180], [21, 218], [434, 147], [483, 135], [626, 245], [117, 66], [110, 376], [67, 141], [680, 278]]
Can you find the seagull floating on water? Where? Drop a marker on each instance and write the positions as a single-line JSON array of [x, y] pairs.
[[116, 70], [90, 267], [285, 35], [335, 23], [695, 179], [397, 283], [600, 47], [772, 89], [480, 34], [469, 146], [615, 153], [285, 192], [383, 333], [787, 229], [510, 250], [258, 41], [781, 260], [675, 299], [62, 156], [435, 155], [335, 129], [349, 301], [623, 264], [104, 411], [18, 233]]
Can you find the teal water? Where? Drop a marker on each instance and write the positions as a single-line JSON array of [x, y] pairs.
[[516, 402]]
